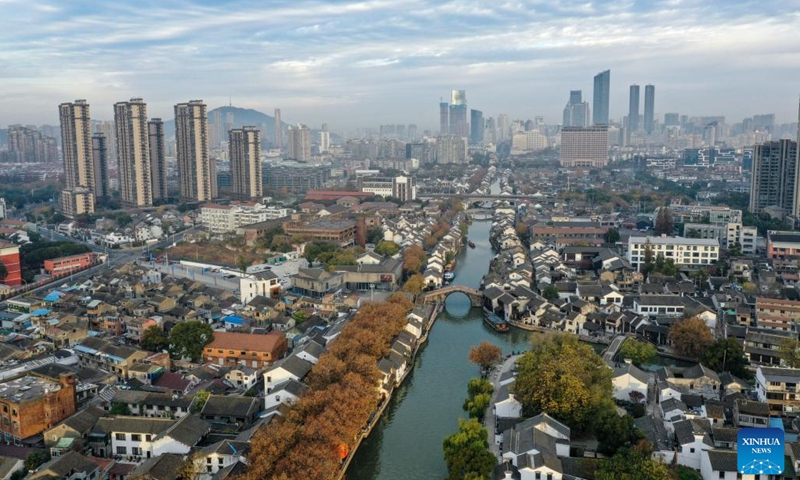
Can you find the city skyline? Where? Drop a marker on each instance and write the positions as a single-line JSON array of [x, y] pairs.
[[345, 63]]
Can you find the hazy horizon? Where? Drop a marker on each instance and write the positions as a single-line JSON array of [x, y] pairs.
[[364, 63]]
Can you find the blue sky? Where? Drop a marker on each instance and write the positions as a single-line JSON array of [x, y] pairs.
[[362, 63]]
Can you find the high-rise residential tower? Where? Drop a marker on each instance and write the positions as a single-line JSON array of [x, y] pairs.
[[633, 109], [76, 145], [324, 139], [27, 145], [444, 118], [602, 87], [133, 152], [245, 154], [476, 127], [299, 143], [100, 159], [576, 113], [584, 147], [196, 170], [278, 130], [774, 180], [158, 159], [649, 108], [458, 113]]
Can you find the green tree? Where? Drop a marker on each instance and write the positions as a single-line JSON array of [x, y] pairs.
[[726, 355], [153, 339], [374, 235], [242, 263], [614, 432], [789, 352], [3, 271], [701, 278], [466, 452], [563, 378], [187, 340], [387, 248], [200, 400], [611, 235], [477, 405], [299, 317], [35, 459], [639, 352], [632, 465], [550, 293], [119, 408]]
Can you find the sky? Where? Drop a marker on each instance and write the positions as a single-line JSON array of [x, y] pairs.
[[364, 63]]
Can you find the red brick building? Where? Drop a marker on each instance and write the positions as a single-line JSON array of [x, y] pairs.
[[249, 349], [31, 404], [9, 257], [69, 264]]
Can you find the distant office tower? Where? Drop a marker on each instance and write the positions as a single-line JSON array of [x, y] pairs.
[[245, 154], [602, 87], [649, 108], [324, 141], [774, 180], [489, 131], [672, 119], [458, 113], [278, 130], [764, 122], [27, 145], [76, 145], [476, 127], [451, 149], [133, 151], [299, 143], [100, 159], [503, 127], [196, 170], [633, 109], [411, 131], [444, 118], [584, 147], [576, 113], [158, 159]]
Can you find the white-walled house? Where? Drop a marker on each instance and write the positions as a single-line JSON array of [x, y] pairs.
[[285, 393], [720, 465], [507, 406], [689, 435], [292, 368], [243, 377], [148, 437], [220, 455], [628, 378]]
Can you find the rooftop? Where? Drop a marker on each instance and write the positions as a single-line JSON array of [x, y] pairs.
[[27, 388]]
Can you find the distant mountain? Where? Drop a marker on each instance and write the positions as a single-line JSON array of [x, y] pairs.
[[241, 117]]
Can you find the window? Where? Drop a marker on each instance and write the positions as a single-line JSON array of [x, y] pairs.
[[135, 437], [148, 437], [721, 474], [122, 450], [691, 450], [119, 436], [136, 451]]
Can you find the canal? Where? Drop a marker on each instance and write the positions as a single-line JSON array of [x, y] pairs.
[[406, 444]]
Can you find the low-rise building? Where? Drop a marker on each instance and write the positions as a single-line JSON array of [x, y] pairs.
[[31, 404], [783, 244], [777, 314], [251, 350], [778, 388], [227, 218], [340, 231], [685, 252]]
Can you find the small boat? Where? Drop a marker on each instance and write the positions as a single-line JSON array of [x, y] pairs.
[[449, 276], [471, 244], [497, 323]]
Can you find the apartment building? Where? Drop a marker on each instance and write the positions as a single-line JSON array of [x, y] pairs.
[[685, 252], [778, 388], [31, 404], [777, 314], [728, 234], [227, 218]]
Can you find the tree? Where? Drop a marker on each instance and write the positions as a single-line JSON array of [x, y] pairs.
[[564, 378], [479, 397], [485, 355], [3, 271], [36, 459], [665, 224], [374, 235], [690, 337], [118, 408], [299, 317], [701, 277], [187, 340], [789, 352], [466, 452], [632, 465], [153, 339], [414, 259], [200, 400], [242, 263], [550, 292], [614, 432], [639, 352], [414, 284], [387, 249], [726, 355], [611, 235]]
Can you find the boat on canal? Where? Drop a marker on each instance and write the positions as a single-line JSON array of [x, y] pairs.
[[471, 244], [495, 322], [449, 276]]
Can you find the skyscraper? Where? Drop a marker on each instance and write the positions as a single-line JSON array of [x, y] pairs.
[[458, 113], [576, 113], [196, 171], [584, 147], [774, 180], [245, 154], [27, 145], [299, 143], [503, 127], [649, 108], [451, 149], [444, 118], [76, 145], [278, 130], [602, 86], [324, 139], [158, 159], [672, 119], [633, 109], [476, 127], [100, 161], [133, 151]]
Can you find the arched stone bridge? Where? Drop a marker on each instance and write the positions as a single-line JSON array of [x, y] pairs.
[[439, 295]]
